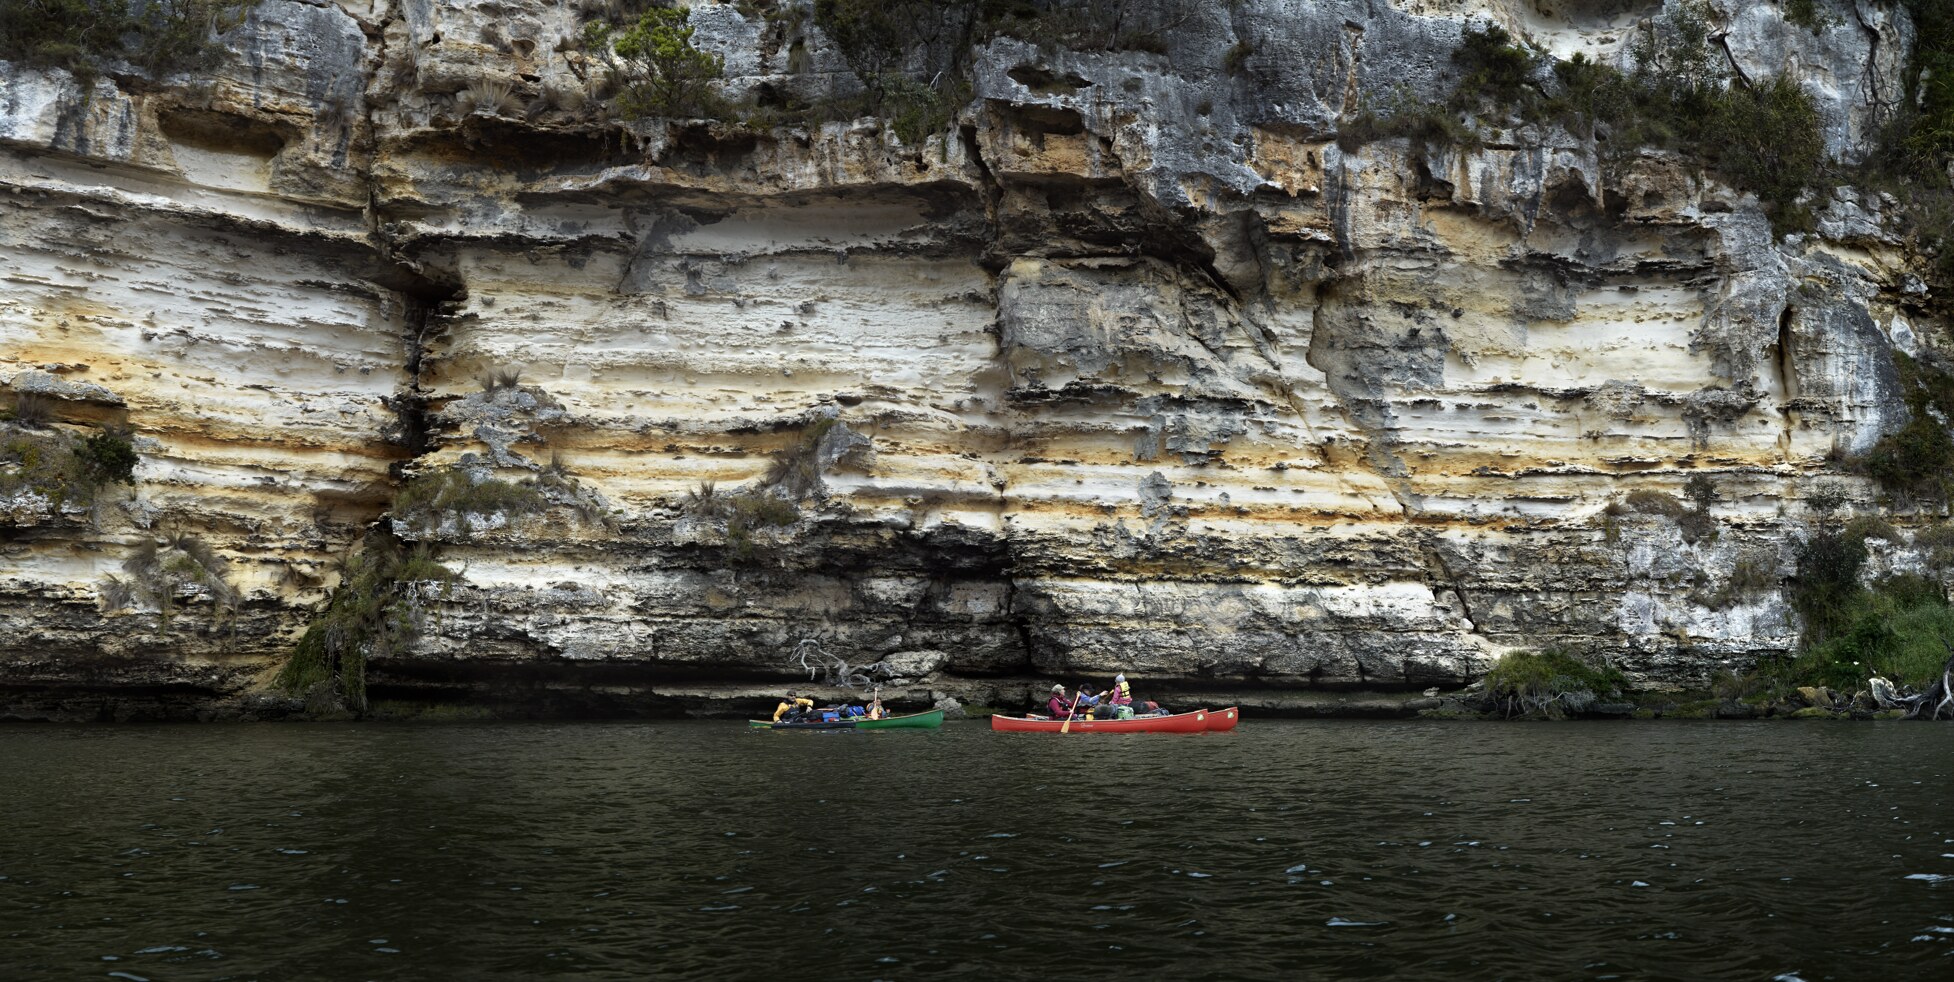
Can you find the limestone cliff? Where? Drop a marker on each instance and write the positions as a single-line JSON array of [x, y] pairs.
[[1131, 366]]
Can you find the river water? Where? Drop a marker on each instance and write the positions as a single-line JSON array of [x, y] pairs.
[[701, 850]]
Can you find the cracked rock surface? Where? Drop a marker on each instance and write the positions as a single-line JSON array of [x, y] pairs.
[[1132, 368]]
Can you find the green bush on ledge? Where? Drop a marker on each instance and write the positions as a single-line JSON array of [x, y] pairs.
[[1548, 684], [61, 467]]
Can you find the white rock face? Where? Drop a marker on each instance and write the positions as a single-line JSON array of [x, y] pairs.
[[1134, 368]]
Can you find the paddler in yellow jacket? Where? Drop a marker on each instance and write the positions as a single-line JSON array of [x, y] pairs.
[[792, 707], [1111, 701]]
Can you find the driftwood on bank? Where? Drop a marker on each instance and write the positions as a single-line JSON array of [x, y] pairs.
[[1937, 701], [808, 654]]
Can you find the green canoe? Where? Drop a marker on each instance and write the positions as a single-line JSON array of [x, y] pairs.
[[922, 721], [925, 721]]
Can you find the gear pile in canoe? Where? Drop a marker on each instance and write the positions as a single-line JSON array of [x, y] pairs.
[[798, 712], [1198, 721]]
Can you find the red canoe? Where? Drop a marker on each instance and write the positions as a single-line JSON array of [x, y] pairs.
[[1221, 720], [1198, 721]]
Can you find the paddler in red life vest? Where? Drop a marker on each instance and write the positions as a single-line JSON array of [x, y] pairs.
[[1058, 705]]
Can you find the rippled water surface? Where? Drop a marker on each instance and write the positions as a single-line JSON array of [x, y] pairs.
[[702, 850]]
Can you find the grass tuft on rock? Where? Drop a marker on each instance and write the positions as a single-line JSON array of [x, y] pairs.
[[796, 469], [497, 379], [749, 512], [745, 513], [161, 571], [430, 499]]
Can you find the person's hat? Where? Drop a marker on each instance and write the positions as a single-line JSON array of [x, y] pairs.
[[1119, 678], [1058, 688]]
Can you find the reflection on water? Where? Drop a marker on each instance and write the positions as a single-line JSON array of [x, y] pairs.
[[1740, 851]]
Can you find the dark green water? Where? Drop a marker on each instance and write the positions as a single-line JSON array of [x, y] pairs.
[[702, 850]]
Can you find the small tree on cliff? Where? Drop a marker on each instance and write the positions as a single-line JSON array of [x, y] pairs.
[[656, 68]]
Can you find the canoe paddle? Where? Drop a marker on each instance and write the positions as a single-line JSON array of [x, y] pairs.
[[1067, 727]]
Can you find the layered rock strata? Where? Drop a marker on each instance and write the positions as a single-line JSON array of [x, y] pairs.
[[1132, 367]]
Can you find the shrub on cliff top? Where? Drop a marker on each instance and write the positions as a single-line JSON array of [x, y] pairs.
[[1926, 116], [1492, 66], [88, 37], [1915, 146], [374, 611], [872, 36], [912, 57], [1763, 137], [1806, 14], [655, 67], [876, 37], [1424, 124]]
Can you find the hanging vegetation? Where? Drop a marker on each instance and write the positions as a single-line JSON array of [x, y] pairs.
[[376, 609]]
